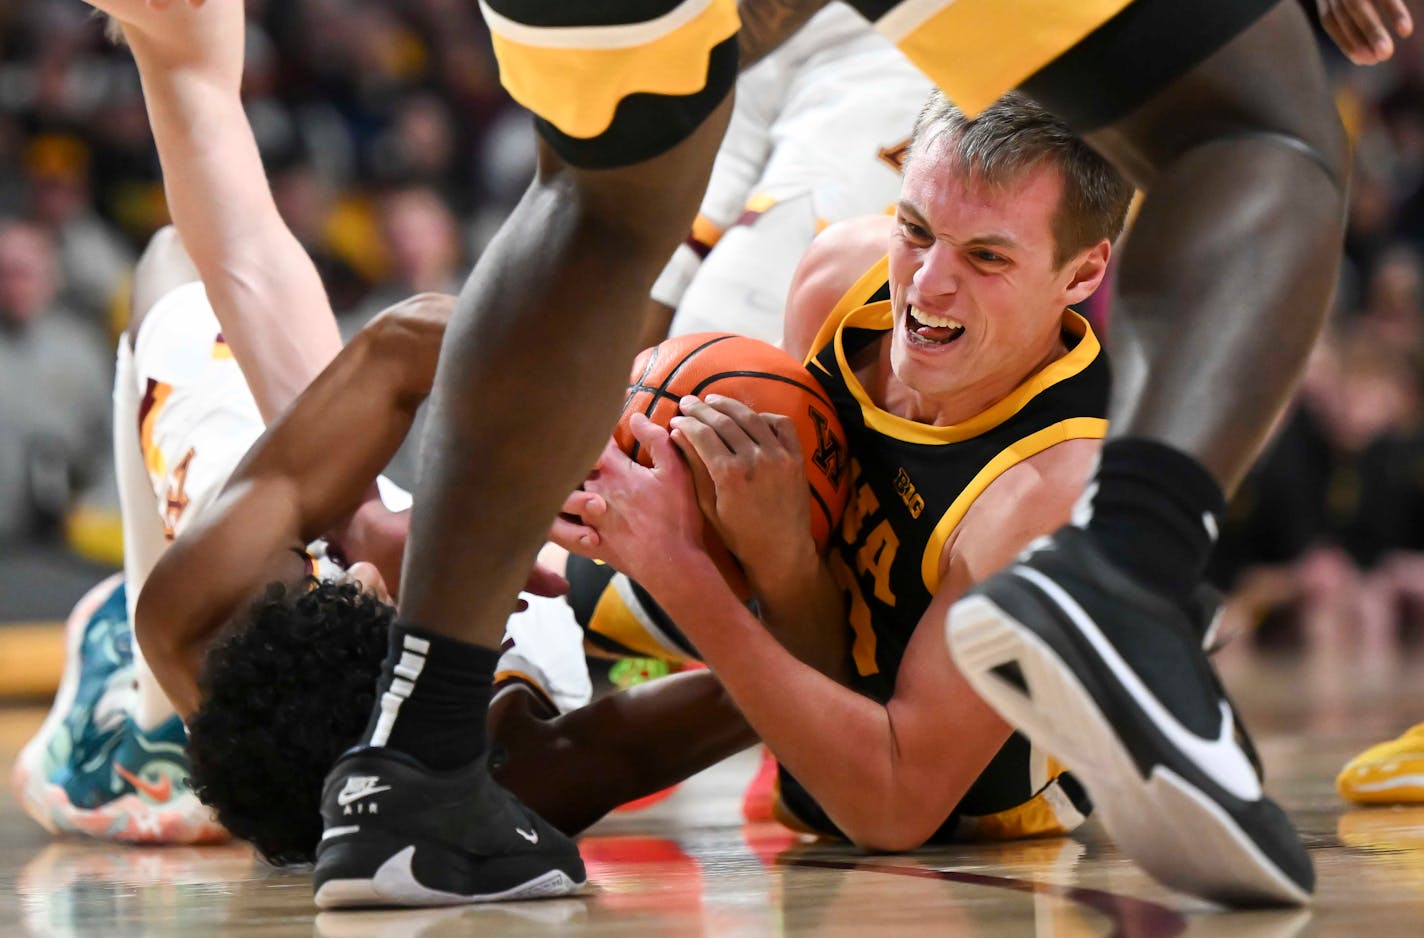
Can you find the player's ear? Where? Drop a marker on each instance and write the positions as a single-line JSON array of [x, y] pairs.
[[1086, 272]]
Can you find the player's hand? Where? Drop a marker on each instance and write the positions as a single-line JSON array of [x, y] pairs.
[[640, 521], [187, 34], [375, 534], [1362, 28], [750, 479]]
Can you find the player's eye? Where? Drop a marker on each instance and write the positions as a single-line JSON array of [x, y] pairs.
[[914, 231]]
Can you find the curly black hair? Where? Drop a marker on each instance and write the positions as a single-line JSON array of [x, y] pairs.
[[285, 692]]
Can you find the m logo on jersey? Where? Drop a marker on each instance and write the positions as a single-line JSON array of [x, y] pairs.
[[894, 156], [829, 456], [176, 500]]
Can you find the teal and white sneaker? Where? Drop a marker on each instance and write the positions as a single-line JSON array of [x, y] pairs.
[[90, 769]]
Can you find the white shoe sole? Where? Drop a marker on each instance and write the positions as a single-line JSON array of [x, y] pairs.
[[1171, 829], [395, 885]]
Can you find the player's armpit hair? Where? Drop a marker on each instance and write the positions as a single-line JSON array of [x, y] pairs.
[[113, 29], [285, 691]]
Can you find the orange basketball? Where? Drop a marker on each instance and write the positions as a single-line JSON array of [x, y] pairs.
[[764, 378]]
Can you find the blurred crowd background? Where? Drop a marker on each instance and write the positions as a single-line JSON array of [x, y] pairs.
[[394, 155]]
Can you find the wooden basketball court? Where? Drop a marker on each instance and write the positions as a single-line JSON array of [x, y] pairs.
[[688, 866]]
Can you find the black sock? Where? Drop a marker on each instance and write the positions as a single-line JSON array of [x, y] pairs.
[[432, 698], [1155, 512]]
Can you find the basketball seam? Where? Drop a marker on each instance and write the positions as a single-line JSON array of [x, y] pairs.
[[813, 391], [662, 390]]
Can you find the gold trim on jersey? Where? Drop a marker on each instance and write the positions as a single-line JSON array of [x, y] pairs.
[[575, 77], [1050, 813], [505, 675], [865, 286], [615, 619], [1074, 428], [705, 232], [154, 402], [880, 316], [311, 565], [976, 50]]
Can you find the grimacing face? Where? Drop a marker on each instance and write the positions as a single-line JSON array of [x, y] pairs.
[[977, 299]]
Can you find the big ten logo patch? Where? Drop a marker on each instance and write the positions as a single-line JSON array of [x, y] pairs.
[[175, 502], [829, 456], [906, 489]]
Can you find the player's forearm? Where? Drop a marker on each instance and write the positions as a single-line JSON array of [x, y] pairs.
[[346, 426], [266, 292], [803, 609], [839, 744], [622, 746], [310, 469]]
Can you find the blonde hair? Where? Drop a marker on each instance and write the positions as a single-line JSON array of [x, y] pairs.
[[1012, 136]]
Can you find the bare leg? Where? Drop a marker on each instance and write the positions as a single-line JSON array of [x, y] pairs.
[[1227, 274], [622, 746], [531, 373], [1224, 286]]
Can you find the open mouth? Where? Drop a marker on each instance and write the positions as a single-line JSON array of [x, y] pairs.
[[931, 329]]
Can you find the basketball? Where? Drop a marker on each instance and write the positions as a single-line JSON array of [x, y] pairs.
[[768, 381]]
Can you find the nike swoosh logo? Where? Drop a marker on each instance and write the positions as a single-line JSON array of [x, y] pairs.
[[1220, 759], [531, 836], [161, 791], [346, 797]]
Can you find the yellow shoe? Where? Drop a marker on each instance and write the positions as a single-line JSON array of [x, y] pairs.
[[1388, 773]]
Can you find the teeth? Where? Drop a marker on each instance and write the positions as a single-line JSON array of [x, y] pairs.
[[937, 322]]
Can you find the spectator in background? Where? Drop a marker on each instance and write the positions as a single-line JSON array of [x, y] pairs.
[[421, 239], [1394, 310], [306, 201], [55, 383], [420, 147], [94, 259], [1320, 536]]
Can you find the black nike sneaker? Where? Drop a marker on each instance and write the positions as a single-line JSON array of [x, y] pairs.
[[399, 834], [1205, 607], [1112, 680]]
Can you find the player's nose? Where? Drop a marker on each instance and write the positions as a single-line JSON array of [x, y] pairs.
[[937, 276]]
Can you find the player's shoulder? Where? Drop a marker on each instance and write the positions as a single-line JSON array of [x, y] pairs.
[[836, 259], [1050, 478], [1033, 497]]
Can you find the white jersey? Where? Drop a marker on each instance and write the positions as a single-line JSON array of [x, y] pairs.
[[817, 135], [183, 418]]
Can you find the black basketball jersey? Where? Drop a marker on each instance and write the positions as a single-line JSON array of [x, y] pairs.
[[911, 483]]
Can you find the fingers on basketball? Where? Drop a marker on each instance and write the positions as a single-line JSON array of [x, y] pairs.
[[753, 375]]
